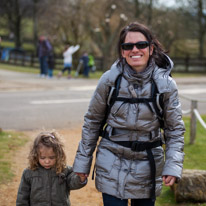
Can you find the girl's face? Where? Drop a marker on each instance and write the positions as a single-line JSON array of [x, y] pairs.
[[47, 157], [137, 58]]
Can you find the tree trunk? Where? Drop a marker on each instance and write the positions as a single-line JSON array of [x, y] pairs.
[[137, 8], [201, 28], [17, 25], [35, 24], [150, 6]]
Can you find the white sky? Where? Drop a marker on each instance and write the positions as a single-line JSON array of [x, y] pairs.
[[168, 3]]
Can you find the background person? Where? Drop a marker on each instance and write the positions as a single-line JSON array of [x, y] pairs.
[[91, 63], [85, 61], [68, 52], [43, 49], [130, 162], [47, 180]]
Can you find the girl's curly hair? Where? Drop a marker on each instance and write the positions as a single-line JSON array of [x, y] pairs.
[[48, 139]]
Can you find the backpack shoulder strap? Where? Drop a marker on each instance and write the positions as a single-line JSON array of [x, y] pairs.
[[158, 103], [113, 93]]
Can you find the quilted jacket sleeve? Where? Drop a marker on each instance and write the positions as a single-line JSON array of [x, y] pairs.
[[92, 123], [173, 132], [23, 195]]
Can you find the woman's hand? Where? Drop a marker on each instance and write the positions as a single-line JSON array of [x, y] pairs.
[[82, 176], [169, 180]]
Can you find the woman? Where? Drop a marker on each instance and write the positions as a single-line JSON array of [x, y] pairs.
[[130, 160]]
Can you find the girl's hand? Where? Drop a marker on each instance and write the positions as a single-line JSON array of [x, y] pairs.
[[82, 176], [169, 180]]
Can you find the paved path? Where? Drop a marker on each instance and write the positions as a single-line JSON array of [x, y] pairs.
[[17, 81], [29, 102], [10, 80]]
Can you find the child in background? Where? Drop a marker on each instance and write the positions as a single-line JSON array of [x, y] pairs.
[[67, 54], [47, 180]]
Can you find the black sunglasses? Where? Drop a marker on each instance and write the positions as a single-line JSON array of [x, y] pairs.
[[139, 45]]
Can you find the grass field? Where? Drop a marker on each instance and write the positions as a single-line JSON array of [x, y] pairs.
[[195, 158], [92, 75], [9, 143]]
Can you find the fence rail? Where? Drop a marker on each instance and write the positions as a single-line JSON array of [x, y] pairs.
[[194, 116], [22, 58], [189, 64], [25, 58]]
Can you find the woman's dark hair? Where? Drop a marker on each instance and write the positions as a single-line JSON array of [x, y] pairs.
[[158, 51]]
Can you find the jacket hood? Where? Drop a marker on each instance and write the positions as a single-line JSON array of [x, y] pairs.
[[169, 64], [163, 75]]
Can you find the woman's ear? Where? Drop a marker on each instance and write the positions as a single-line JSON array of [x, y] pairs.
[[151, 48], [122, 52]]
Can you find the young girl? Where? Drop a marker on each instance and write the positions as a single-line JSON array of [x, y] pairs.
[[47, 180]]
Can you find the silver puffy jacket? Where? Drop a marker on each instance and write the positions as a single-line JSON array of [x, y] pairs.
[[120, 171]]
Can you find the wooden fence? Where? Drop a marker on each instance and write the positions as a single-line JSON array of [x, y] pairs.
[[18, 57], [21, 58], [194, 116], [188, 64]]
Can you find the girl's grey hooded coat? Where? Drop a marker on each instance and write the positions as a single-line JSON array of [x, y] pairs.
[[120, 171]]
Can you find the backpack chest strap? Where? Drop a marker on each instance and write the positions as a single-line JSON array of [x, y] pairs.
[[134, 100]]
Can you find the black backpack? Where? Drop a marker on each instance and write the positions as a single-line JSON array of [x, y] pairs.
[[156, 99]]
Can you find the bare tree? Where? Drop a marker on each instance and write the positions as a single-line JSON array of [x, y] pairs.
[[202, 26], [196, 13], [150, 11], [105, 30], [13, 11], [68, 20]]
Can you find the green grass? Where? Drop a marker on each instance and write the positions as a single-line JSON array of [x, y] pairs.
[[9, 142], [95, 75], [16, 68], [185, 75], [195, 158]]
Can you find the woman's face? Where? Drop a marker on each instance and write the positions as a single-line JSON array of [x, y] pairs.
[[137, 58]]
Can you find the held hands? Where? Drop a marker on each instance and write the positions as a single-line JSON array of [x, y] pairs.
[[82, 176], [169, 180]]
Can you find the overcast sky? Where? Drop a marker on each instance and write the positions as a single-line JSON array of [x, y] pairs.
[[168, 3]]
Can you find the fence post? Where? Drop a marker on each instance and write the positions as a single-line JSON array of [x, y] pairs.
[[193, 122], [23, 59], [187, 59], [32, 60]]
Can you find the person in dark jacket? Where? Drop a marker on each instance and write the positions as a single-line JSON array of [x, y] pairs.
[[130, 160], [43, 49], [47, 180], [85, 60]]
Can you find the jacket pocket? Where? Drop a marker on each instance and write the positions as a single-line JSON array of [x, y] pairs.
[[140, 170], [104, 160]]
